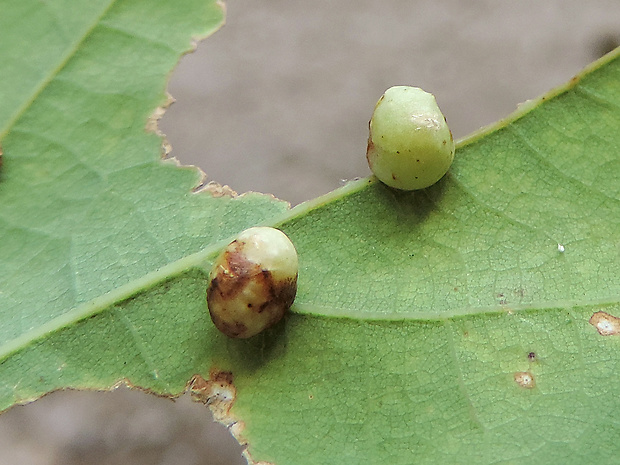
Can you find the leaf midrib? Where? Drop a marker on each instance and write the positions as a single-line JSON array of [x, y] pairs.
[[461, 312]]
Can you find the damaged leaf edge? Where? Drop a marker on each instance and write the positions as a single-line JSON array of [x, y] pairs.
[[152, 125], [217, 392]]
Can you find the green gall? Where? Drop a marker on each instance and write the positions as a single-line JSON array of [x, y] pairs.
[[253, 282], [410, 145]]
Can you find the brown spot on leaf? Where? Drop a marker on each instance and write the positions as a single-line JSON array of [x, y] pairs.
[[218, 392], [605, 324], [525, 379]]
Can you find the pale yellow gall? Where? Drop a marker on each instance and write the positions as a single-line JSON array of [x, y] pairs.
[[253, 282], [410, 145]]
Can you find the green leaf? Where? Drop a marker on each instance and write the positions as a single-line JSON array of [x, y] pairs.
[[89, 213], [420, 316], [87, 206]]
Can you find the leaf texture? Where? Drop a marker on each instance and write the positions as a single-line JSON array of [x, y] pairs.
[[449, 325]]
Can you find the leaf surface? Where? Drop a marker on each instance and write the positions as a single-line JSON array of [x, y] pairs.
[[449, 325]]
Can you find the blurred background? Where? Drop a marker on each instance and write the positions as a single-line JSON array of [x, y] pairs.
[[278, 101]]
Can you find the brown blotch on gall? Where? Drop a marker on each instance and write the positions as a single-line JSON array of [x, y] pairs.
[[235, 329], [525, 379], [253, 282], [371, 147], [605, 324]]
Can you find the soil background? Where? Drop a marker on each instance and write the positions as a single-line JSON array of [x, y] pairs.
[[278, 101]]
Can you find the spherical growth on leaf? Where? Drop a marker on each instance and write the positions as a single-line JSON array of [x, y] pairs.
[[410, 145], [253, 282]]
